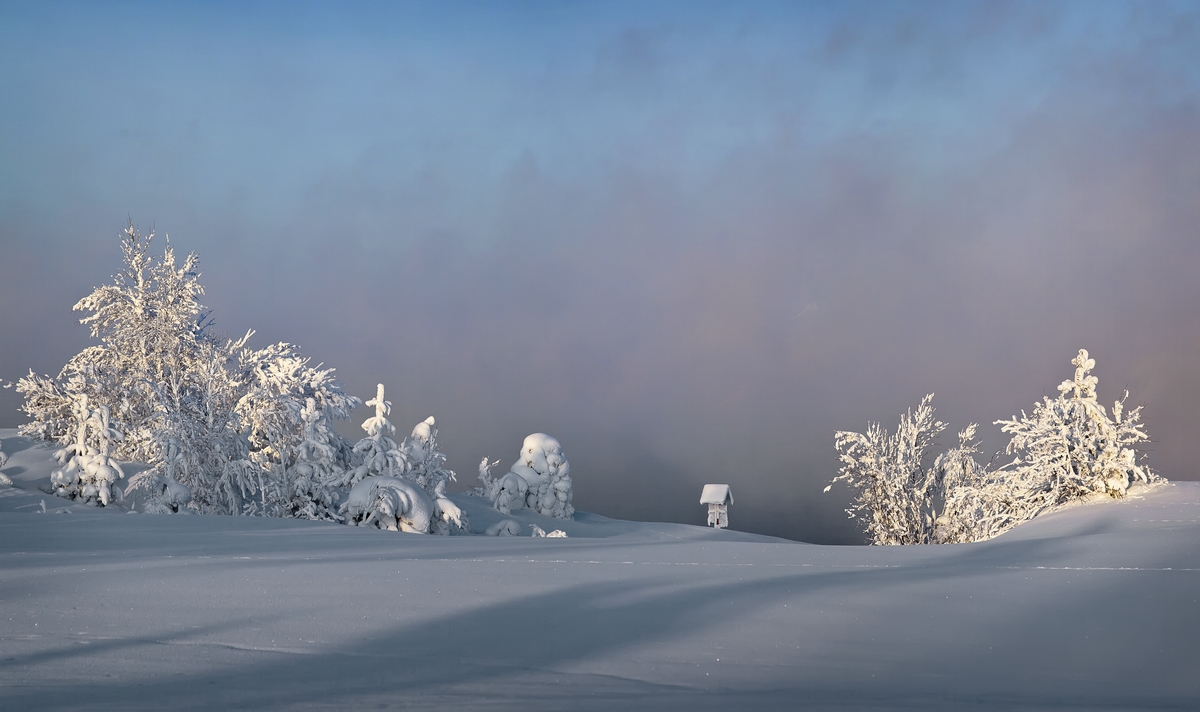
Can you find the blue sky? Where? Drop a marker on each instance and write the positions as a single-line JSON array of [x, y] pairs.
[[691, 240]]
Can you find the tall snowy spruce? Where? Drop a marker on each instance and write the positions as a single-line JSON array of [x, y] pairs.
[[377, 454], [1068, 449], [218, 421]]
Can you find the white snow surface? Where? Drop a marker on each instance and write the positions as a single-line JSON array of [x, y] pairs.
[[1094, 607]]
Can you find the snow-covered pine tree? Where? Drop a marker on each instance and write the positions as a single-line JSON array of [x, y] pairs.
[[88, 473], [893, 486], [376, 454], [1069, 448], [425, 466], [540, 479], [313, 493], [424, 462]]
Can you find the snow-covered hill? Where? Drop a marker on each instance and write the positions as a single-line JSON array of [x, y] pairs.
[[1094, 607]]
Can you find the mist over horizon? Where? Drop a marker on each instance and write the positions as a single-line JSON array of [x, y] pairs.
[[690, 241]]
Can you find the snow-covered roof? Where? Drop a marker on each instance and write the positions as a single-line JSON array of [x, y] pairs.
[[716, 494]]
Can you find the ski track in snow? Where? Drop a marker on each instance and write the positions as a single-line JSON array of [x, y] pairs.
[[1092, 607]]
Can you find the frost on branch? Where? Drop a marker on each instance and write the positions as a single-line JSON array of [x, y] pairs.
[[1069, 447], [540, 480]]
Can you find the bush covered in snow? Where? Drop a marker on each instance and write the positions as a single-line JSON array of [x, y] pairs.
[[389, 503], [162, 494], [1068, 449]]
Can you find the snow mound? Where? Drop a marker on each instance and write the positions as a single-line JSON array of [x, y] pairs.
[[389, 503]]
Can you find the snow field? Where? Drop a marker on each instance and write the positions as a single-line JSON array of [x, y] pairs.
[[1092, 607]]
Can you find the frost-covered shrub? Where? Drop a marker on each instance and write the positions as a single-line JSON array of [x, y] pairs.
[[448, 517], [388, 503], [1069, 447], [977, 502], [893, 486], [488, 485], [540, 479]]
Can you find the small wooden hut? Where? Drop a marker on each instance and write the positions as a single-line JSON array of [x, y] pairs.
[[718, 498]]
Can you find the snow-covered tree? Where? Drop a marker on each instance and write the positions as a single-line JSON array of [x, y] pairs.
[[284, 403], [891, 478], [540, 479], [311, 482], [424, 462], [377, 454], [213, 415], [1069, 447], [88, 473], [448, 517]]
